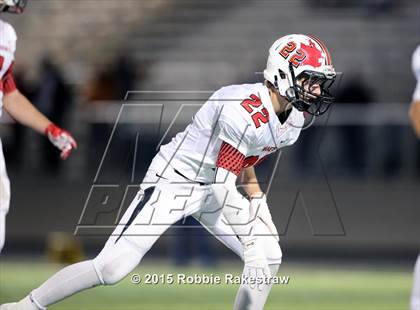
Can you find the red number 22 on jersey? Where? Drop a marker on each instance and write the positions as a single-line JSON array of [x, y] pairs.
[[250, 105]]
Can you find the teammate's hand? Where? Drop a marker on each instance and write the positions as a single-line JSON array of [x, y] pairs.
[[256, 266], [260, 207], [61, 139]]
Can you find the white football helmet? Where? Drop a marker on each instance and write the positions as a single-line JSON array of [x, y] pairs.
[[295, 63], [13, 6]]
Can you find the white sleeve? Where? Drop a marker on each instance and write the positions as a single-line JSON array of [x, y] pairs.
[[416, 70], [234, 129], [8, 37]]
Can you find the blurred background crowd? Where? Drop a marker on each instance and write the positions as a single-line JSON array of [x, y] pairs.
[[78, 60]]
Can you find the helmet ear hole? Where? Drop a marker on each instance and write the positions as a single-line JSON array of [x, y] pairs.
[[276, 84], [282, 75]]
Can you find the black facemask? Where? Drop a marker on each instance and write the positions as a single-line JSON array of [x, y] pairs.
[[18, 8], [304, 100]]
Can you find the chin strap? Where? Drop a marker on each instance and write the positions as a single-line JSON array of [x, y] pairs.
[[292, 94]]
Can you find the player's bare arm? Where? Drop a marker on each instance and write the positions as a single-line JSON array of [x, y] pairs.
[[250, 183], [259, 206]]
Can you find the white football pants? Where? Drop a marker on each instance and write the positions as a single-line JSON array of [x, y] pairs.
[[4, 197], [159, 204]]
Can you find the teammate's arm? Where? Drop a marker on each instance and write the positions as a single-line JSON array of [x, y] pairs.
[[19, 107], [415, 104], [22, 110], [415, 116]]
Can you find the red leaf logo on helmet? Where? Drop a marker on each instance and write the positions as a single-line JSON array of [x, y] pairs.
[[313, 55]]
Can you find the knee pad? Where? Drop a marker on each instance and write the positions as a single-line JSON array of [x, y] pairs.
[[114, 263]]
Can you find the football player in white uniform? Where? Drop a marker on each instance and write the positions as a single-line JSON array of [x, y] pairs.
[[20, 108], [195, 174], [415, 120]]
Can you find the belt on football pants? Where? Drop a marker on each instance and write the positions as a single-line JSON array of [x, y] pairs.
[[180, 174]]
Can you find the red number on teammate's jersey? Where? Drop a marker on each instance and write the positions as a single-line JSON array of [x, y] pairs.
[[250, 104], [1, 62]]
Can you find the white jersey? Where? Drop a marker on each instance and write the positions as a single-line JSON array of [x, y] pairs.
[[240, 115], [416, 70], [7, 55]]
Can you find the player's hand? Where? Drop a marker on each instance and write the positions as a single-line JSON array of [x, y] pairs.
[[256, 266], [61, 139], [260, 207]]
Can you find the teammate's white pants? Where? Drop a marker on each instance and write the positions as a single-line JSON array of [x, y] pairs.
[[4, 197], [415, 294], [158, 205]]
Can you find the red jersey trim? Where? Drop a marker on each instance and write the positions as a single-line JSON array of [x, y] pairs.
[[230, 159], [8, 84]]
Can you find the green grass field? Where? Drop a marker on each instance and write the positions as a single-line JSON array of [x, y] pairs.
[[310, 287]]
